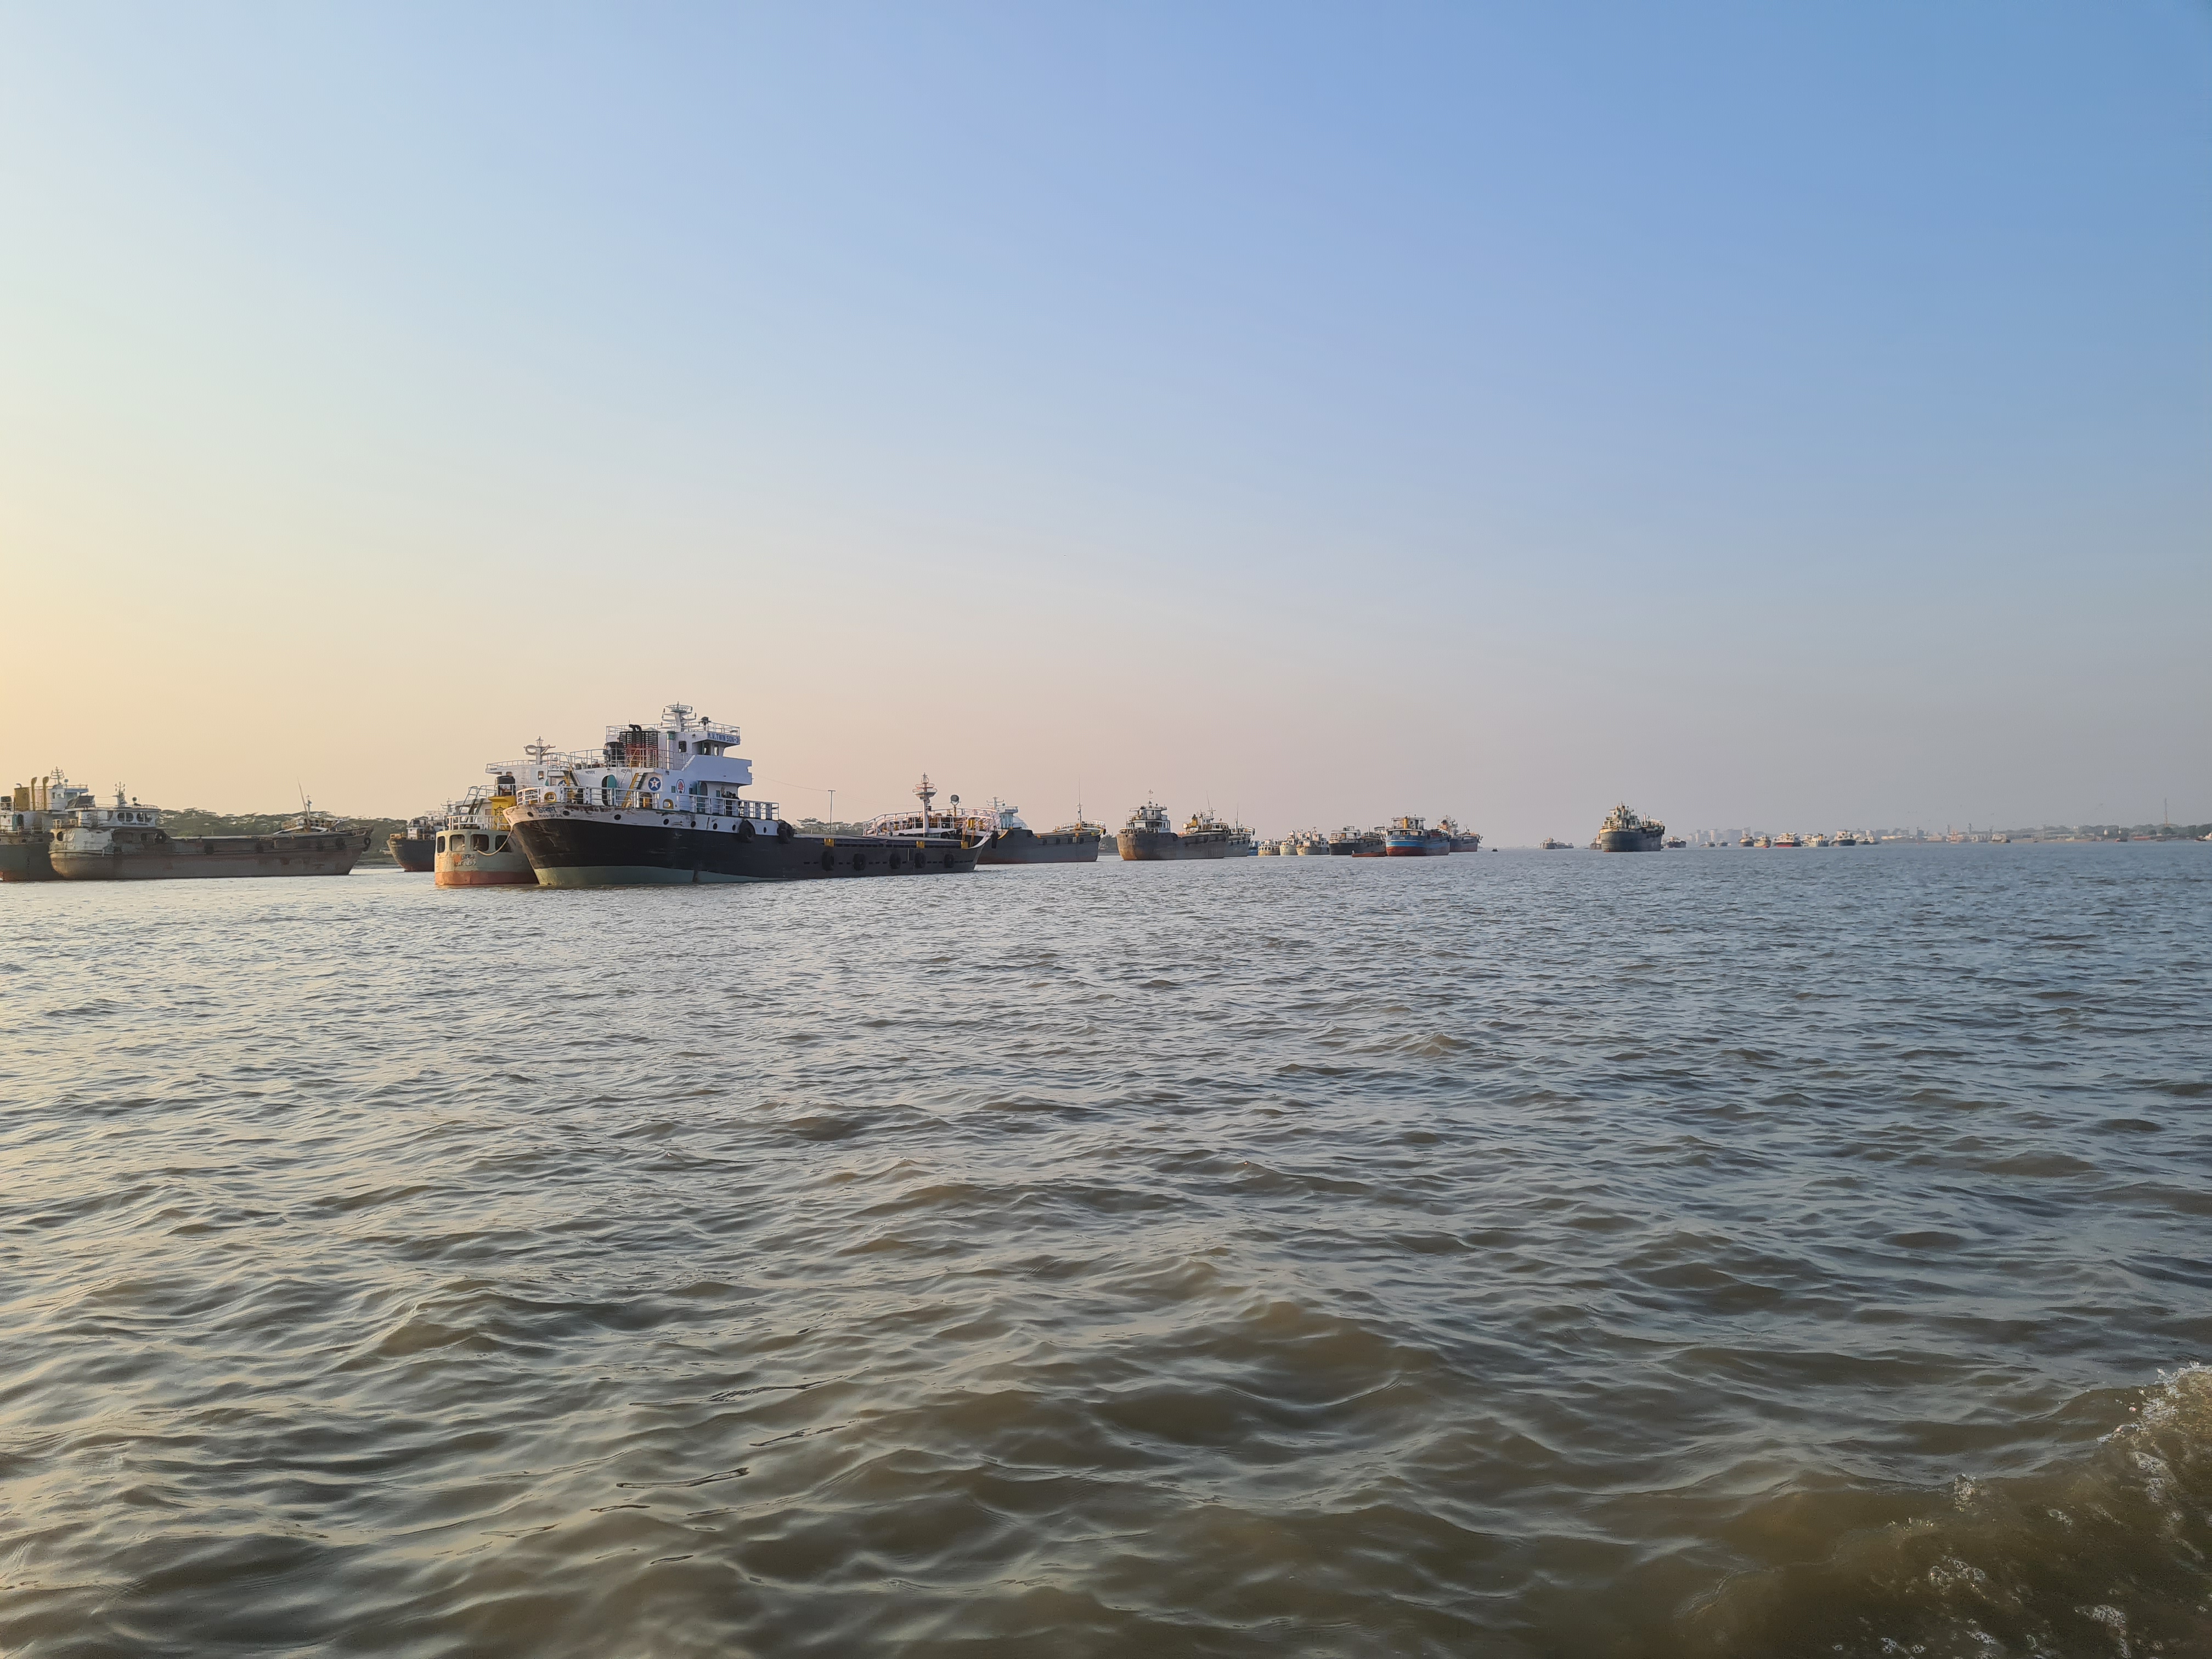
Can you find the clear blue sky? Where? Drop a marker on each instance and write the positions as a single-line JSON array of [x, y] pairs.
[[1777, 415]]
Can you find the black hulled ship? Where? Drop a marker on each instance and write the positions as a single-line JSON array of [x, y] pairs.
[[1623, 831], [1012, 841], [659, 806], [415, 849]]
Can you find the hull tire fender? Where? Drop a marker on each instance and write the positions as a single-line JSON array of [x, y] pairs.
[[782, 830], [745, 829]]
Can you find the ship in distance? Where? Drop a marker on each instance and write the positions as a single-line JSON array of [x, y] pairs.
[[1624, 831], [1351, 844], [415, 849], [128, 841], [1147, 838], [26, 838], [1463, 841], [1412, 838], [656, 805], [1012, 841]]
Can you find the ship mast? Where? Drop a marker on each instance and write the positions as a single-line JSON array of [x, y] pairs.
[[928, 791]]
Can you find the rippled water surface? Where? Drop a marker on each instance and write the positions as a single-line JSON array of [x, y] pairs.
[[1706, 1252]]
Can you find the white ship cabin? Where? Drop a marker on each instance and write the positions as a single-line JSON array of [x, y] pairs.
[[682, 765], [951, 827], [1151, 816], [32, 804], [122, 815]]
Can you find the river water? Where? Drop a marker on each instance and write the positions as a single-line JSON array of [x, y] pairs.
[[1734, 1252]]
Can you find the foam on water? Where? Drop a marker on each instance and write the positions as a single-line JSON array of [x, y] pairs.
[[1695, 1254]]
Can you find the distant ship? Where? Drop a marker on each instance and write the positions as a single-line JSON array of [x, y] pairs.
[[1463, 841], [656, 806], [1307, 843], [128, 843], [1410, 838], [415, 849], [1147, 838], [1623, 831], [1012, 841], [1788, 838], [27, 835], [1241, 843], [1551, 845]]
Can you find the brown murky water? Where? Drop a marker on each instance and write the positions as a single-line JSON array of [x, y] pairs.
[[1733, 1253]]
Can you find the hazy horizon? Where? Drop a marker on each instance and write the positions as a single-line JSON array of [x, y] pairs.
[[1762, 417]]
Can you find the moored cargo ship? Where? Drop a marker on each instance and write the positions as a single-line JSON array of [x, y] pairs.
[[1623, 831], [1463, 841], [475, 847], [128, 843], [1351, 843], [27, 833], [1410, 838], [415, 849], [1147, 838], [654, 807], [1012, 841]]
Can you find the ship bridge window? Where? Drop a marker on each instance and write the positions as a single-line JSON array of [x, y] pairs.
[[481, 842]]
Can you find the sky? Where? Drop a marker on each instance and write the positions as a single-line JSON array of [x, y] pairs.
[[1770, 416]]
